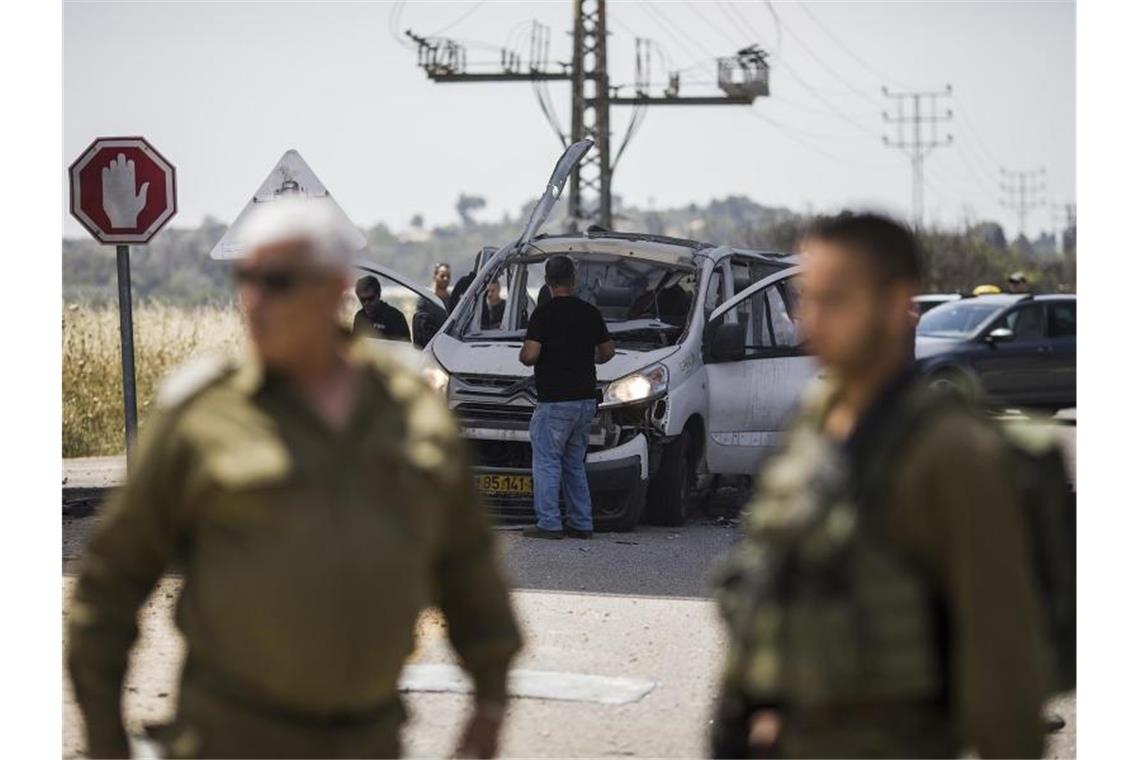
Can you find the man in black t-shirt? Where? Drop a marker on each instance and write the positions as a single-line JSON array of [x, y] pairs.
[[564, 339], [376, 319]]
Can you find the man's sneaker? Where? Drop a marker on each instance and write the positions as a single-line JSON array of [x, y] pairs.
[[537, 532], [572, 533]]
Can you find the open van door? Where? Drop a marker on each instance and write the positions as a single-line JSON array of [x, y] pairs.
[[429, 305], [539, 214], [756, 367]]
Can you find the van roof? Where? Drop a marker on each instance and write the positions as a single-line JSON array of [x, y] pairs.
[[681, 247]]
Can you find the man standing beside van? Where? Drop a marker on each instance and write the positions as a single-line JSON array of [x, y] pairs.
[[565, 338]]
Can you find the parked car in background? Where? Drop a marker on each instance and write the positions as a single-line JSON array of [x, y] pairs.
[[1018, 350]]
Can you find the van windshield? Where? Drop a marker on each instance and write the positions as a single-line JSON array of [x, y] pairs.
[[646, 304]]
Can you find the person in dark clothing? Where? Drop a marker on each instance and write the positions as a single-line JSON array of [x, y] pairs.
[[466, 280], [428, 317], [377, 319], [426, 322], [1018, 283], [673, 305], [565, 338], [543, 295], [883, 599], [493, 306]]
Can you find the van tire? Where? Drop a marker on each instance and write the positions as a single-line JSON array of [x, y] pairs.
[[669, 490], [631, 519]]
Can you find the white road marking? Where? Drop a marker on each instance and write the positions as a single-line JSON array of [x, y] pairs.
[[532, 684]]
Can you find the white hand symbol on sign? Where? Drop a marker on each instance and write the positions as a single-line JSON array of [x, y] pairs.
[[120, 201]]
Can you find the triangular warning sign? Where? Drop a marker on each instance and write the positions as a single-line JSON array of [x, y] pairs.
[[290, 178]]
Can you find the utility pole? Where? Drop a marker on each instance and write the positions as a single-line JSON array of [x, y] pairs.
[[741, 78], [1064, 219], [1059, 227], [1025, 191], [590, 114], [920, 142]]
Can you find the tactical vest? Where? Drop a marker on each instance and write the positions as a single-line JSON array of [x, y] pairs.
[[822, 610]]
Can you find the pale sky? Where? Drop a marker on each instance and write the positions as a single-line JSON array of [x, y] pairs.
[[223, 89]]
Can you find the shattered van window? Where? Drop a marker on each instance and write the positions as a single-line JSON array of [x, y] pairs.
[[636, 296]]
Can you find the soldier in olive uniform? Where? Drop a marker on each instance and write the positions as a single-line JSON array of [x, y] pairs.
[[316, 498], [879, 605]]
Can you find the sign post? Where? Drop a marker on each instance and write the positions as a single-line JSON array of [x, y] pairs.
[[127, 341], [123, 192]]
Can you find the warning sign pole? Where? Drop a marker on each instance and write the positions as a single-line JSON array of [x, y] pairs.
[[127, 342]]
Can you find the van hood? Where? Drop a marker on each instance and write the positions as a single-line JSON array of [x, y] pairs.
[[502, 358]]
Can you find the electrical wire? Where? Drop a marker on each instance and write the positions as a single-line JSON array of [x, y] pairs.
[[643, 76], [635, 121], [462, 17], [831, 136], [842, 46], [965, 154], [738, 18], [795, 137], [795, 104], [827, 67], [661, 19], [733, 45], [543, 95], [977, 138], [662, 54], [779, 26], [826, 103], [394, 24]]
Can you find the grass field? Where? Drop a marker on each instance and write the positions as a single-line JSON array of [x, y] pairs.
[[165, 337]]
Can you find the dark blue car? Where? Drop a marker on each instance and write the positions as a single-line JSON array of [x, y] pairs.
[[1021, 349]]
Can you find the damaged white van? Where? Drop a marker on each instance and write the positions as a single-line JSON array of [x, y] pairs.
[[708, 366]]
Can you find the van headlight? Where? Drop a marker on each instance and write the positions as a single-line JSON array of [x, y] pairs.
[[436, 378], [638, 386]]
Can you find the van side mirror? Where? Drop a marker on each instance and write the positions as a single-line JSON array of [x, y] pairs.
[[726, 343], [1000, 335]]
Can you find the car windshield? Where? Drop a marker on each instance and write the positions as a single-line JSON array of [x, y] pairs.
[[956, 320], [646, 303]]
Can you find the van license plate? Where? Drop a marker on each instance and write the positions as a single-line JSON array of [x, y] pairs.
[[505, 485]]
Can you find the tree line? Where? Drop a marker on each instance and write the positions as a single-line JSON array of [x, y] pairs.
[[176, 268]]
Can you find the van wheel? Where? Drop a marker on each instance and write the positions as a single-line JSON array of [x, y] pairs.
[[669, 491], [630, 520]]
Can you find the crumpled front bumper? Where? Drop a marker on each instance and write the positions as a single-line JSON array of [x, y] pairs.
[[618, 477]]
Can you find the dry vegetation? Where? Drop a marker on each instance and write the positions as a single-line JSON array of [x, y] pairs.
[[165, 337]]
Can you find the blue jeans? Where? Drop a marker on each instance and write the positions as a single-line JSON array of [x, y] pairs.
[[559, 433]]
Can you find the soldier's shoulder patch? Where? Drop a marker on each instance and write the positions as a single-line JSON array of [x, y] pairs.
[[191, 378]]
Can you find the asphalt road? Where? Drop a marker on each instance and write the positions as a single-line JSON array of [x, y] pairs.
[[624, 606], [620, 606]]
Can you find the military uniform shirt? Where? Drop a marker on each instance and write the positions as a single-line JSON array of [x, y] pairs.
[[951, 509], [307, 552]]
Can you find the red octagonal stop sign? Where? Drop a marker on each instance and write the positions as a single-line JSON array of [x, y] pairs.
[[122, 190]]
